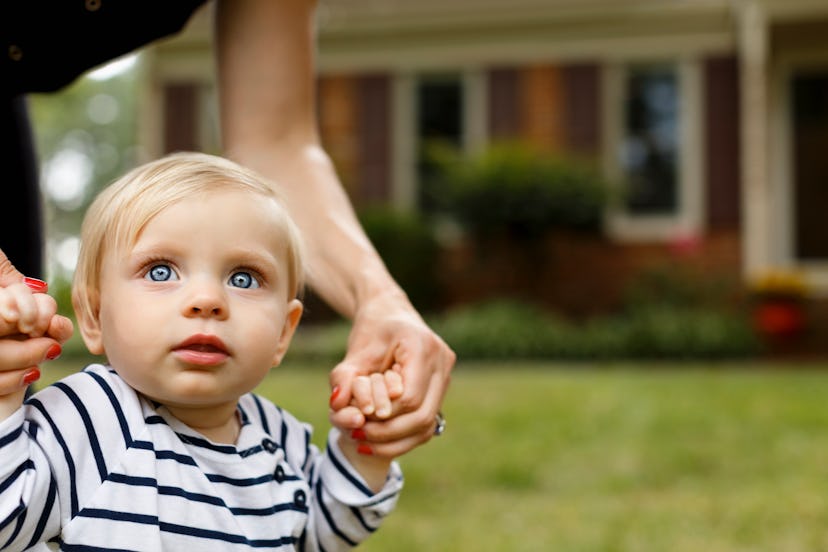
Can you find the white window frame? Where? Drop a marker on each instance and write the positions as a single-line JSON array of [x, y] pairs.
[[688, 220], [780, 250], [474, 131]]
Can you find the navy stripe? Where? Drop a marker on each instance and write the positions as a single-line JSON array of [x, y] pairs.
[[13, 515], [251, 451], [344, 471], [329, 518], [27, 465], [21, 519], [155, 419], [99, 513], [262, 417], [90, 429], [249, 482], [116, 406], [308, 456], [70, 462], [166, 490], [183, 529], [225, 537], [270, 510], [283, 433], [10, 437], [165, 454], [204, 443], [358, 515], [245, 419], [47, 511], [85, 548]]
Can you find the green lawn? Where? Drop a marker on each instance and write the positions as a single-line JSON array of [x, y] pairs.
[[621, 458]]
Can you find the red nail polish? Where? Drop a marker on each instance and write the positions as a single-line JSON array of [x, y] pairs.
[[37, 286], [54, 352], [365, 449], [334, 394], [358, 434], [31, 376]]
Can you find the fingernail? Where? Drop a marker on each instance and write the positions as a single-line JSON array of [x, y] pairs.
[[365, 449], [54, 352], [37, 286], [31, 376], [358, 435], [334, 394]]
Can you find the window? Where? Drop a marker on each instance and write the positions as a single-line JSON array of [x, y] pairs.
[[653, 148], [649, 147], [439, 121]]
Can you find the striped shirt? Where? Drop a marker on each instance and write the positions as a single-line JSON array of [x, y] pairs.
[[88, 464]]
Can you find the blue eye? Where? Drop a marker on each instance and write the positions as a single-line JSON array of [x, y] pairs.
[[161, 273], [243, 280]]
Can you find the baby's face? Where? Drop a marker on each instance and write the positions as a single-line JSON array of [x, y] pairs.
[[198, 311]]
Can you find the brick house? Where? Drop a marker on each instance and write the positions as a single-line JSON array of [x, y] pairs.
[[719, 108]]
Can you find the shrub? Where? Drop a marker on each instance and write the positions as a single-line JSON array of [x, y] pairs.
[[514, 189], [409, 249], [508, 329]]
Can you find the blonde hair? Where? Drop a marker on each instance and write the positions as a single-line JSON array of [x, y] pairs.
[[116, 218]]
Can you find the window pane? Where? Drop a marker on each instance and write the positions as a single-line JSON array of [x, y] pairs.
[[440, 112], [649, 151]]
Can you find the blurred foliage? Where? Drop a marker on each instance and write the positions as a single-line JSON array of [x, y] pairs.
[[505, 329], [683, 286], [407, 245], [511, 188], [93, 118]]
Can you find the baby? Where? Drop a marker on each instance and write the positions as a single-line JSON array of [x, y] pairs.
[[187, 282]]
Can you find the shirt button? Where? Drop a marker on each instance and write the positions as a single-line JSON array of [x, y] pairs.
[[15, 52], [269, 445], [93, 5], [300, 499], [279, 475]]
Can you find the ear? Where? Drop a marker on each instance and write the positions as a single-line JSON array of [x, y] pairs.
[[89, 324], [294, 313]]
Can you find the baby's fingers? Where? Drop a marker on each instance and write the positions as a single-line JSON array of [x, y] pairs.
[[363, 396], [382, 402], [394, 384], [18, 310]]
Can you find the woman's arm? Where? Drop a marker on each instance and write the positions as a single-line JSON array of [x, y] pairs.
[[265, 55]]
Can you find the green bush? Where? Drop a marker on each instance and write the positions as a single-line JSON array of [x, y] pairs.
[[514, 189], [407, 245], [508, 329]]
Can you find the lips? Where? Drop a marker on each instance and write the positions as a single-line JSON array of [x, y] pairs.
[[202, 350]]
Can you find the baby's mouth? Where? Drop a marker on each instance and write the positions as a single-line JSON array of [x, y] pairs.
[[202, 350]]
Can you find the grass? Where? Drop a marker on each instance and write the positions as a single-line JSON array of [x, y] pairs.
[[608, 458]]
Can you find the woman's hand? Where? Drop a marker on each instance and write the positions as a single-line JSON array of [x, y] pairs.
[[31, 331], [388, 333]]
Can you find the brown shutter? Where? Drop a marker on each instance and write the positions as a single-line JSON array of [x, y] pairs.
[[722, 142], [582, 109], [503, 104], [374, 150]]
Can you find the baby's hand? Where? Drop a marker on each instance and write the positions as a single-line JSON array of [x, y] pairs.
[[373, 394], [31, 332], [23, 313]]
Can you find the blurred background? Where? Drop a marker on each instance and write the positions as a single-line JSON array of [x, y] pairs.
[[610, 209]]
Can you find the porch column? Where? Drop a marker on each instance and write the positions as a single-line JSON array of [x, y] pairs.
[[756, 196]]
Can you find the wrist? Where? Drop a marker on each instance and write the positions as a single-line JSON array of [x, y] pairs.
[[373, 469]]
